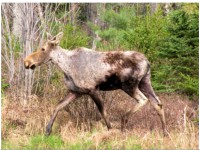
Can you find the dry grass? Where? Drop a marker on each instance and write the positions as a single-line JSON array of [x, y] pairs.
[[23, 126]]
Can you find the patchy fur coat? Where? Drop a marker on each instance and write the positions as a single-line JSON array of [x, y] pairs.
[[86, 69]]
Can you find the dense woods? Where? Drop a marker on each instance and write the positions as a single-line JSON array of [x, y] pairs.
[[167, 33]]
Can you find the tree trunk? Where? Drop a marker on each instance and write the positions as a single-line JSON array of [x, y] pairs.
[[154, 7], [74, 7], [23, 28]]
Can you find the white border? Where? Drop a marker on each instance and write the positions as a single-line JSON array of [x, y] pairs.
[[99, 1], [91, 1]]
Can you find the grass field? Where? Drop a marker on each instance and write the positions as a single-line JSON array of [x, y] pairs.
[[23, 127]]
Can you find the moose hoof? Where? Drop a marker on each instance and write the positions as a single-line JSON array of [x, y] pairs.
[[48, 130], [165, 133], [109, 126]]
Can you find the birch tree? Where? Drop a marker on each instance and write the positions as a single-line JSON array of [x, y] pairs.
[[23, 29]]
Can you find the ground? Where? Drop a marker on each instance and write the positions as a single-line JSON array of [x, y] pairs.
[[80, 126]]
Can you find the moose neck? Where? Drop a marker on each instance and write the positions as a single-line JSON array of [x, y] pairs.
[[61, 57]]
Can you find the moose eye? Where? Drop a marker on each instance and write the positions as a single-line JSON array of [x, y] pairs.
[[43, 49]]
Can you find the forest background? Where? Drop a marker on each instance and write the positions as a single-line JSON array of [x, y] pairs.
[[167, 33]]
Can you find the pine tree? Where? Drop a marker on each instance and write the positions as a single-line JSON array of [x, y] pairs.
[[181, 51]]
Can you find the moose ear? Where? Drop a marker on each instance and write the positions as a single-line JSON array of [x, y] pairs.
[[56, 39], [49, 36], [59, 36]]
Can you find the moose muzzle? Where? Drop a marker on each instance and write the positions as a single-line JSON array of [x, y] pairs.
[[29, 64]]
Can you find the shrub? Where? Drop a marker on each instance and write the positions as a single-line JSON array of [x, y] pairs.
[[74, 37]]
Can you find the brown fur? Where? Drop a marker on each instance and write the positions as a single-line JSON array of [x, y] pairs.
[[119, 60]]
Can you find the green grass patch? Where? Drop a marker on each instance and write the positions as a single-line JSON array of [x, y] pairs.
[[131, 143], [7, 145], [35, 142], [81, 144], [43, 142]]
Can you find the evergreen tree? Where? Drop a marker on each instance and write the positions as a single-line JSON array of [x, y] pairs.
[[180, 49]]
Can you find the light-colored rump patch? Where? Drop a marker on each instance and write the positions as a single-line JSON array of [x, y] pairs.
[[125, 73], [128, 53]]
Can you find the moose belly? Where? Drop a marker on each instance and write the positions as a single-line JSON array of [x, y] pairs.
[[112, 83]]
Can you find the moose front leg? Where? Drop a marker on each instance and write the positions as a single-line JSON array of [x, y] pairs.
[[69, 98], [99, 102]]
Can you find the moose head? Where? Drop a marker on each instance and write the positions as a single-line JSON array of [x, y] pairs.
[[42, 55]]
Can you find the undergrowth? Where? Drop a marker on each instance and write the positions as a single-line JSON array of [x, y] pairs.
[[23, 127], [112, 139]]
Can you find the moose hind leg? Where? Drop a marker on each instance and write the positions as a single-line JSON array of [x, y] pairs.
[[131, 88], [141, 101], [69, 98], [99, 103], [159, 108], [146, 88]]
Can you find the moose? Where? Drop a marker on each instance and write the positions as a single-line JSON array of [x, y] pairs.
[[88, 72]]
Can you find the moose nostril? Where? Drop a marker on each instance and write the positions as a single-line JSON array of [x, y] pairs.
[[32, 66], [29, 65]]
